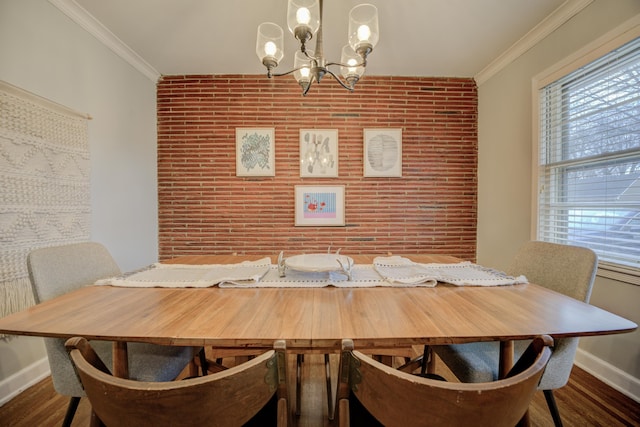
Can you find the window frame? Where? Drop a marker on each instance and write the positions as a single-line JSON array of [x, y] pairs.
[[610, 41]]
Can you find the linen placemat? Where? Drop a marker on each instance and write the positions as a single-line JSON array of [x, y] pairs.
[[192, 276], [403, 270]]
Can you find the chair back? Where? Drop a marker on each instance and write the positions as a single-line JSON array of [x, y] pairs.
[[55, 271], [566, 269], [227, 398], [398, 398]]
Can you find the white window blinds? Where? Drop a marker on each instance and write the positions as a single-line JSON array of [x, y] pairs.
[[589, 164]]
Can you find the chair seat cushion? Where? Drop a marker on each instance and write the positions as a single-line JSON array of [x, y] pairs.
[[471, 363], [478, 362], [149, 362]]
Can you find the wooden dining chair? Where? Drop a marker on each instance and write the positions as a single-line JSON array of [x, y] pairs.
[[57, 270], [396, 398], [569, 270], [228, 398]]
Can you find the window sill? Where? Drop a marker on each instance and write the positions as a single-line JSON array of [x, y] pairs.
[[619, 272]]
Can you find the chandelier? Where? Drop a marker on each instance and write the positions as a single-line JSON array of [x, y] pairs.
[[304, 19]]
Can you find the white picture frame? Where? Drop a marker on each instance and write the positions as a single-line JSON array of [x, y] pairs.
[[255, 152], [382, 152], [319, 205], [319, 153]]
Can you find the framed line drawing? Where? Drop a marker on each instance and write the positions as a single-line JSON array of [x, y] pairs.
[[319, 153], [383, 152], [319, 205], [255, 152]]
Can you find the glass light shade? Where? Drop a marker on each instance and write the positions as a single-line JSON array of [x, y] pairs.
[[269, 44], [363, 28], [350, 57], [303, 75], [303, 18]]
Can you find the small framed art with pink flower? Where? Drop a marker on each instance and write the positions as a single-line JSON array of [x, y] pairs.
[[319, 206]]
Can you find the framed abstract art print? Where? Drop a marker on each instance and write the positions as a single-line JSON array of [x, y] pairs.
[[383, 152], [255, 152]]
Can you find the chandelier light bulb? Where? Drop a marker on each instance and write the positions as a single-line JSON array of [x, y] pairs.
[[302, 64], [352, 62], [303, 16], [270, 48], [363, 29], [352, 67], [364, 32], [269, 45]]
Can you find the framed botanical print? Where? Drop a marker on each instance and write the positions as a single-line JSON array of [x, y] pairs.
[[255, 152], [383, 152], [319, 153], [319, 205]]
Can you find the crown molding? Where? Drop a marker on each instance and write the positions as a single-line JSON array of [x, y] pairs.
[[552, 22], [83, 18]]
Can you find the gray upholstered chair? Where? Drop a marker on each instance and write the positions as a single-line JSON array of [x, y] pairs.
[[569, 270], [57, 270], [396, 398]]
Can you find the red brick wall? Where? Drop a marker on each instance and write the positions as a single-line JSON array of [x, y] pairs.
[[204, 208]]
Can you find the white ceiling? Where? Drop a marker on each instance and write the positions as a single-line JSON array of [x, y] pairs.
[[454, 38]]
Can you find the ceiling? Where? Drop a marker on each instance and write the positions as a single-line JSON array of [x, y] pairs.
[[454, 38]]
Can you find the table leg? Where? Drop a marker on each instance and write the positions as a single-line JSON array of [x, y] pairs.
[[505, 364], [506, 358], [120, 360]]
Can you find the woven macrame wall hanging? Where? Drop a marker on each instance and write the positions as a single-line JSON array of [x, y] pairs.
[[44, 185]]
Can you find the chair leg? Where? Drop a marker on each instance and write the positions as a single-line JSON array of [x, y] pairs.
[[299, 360], [425, 359], [553, 408], [428, 361], [204, 363], [330, 402], [71, 411]]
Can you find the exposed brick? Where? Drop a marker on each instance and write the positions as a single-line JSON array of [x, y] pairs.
[[204, 208]]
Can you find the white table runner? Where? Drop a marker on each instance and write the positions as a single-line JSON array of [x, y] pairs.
[[385, 271]]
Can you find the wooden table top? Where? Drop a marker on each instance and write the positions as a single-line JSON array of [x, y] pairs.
[[313, 319]]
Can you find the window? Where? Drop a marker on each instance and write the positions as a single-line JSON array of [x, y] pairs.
[[589, 158]]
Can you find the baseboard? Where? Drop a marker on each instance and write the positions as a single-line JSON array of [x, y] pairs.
[[23, 379], [609, 374]]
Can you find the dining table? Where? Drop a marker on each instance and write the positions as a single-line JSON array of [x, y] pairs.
[[312, 319]]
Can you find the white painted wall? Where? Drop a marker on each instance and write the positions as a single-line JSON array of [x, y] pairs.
[[504, 177], [44, 52]]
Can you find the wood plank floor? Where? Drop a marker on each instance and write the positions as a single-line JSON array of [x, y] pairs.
[[585, 401]]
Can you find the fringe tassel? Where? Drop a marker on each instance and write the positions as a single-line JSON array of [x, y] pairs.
[[16, 295]]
